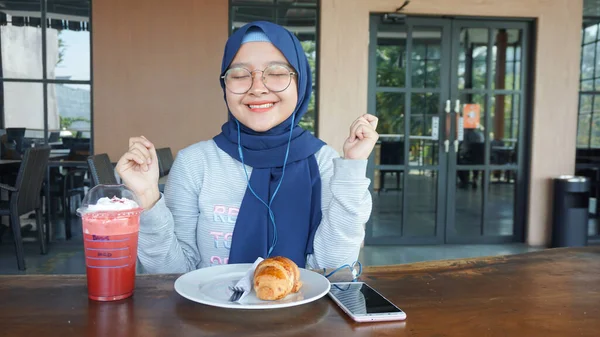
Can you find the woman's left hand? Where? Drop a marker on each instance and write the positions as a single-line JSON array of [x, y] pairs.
[[362, 138]]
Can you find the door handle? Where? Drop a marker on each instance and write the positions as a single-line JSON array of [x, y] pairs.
[[447, 108], [447, 145], [456, 145]]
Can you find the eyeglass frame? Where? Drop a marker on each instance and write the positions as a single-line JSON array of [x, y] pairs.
[[262, 78]]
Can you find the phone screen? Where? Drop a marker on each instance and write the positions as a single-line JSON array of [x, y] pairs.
[[359, 298]]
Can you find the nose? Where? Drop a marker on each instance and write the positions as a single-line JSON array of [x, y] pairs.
[[258, 86]]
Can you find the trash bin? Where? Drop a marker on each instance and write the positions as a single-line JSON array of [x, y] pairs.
[[571, 211]]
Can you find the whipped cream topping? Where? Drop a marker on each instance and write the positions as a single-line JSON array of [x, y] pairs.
[[113, 204]]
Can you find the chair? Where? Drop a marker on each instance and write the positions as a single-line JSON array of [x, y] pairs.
[[165, 160], [392, 153], [102, 170], [79, 148], [66, 186], [9, 148], [474, 154], [54, 137], [16, 135], [25, 197]]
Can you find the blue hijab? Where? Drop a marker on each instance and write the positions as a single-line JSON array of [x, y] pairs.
[[283, 165]]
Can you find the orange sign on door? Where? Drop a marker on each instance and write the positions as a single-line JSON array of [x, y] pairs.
[[471, 116]]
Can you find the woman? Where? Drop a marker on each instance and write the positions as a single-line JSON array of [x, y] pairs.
[[263, 186]]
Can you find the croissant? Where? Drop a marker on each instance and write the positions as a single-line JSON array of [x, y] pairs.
[[275, 278]]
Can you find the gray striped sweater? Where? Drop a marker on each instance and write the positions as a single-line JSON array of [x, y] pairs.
[[191, 226]]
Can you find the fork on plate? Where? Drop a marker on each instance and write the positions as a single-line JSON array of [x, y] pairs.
[[237, 292]]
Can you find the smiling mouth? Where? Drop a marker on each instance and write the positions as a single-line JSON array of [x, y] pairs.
[[264, 107], [260, 106]]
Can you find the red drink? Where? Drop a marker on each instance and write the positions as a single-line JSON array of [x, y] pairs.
[[110, 242]]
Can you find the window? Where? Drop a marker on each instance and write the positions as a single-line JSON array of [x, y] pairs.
[[299, 17], [588, 125], [45, 70]]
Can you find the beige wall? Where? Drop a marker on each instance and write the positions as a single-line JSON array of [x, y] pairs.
[[156, 67], [344, 71]]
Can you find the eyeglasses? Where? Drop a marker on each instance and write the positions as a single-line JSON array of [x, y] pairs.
[[276, 78]]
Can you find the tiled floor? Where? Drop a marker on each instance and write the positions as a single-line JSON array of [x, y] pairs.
[[421, 195], [421, 206]]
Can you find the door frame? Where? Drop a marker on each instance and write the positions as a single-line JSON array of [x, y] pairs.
[[446, 164], [522, 181], [440, 167]]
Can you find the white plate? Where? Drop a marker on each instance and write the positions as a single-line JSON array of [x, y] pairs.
[[210, 286]]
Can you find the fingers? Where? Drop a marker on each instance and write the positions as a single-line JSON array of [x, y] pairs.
[[152, 150], [360, 122], [142, 159], [367, 120], [143, 150], [131, 160], [142, 140], [145, 143], [366, 131], [358, 125], [140, 156], [353, 128], [125, 164], [371, 119]]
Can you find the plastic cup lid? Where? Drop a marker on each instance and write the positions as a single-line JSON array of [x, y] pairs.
[[104, 198]]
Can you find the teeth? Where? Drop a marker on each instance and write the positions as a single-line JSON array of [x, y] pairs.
[[262, 106]]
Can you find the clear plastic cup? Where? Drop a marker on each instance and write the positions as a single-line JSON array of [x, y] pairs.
[[111, 221]]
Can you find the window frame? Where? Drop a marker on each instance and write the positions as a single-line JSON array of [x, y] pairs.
[[46, 82], [595, 92]]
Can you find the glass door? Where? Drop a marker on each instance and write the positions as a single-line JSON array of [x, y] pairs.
[[486, 191], [409, 86], [449, 166]]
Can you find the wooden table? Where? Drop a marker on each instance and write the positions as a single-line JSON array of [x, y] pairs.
[[53, 158], [68, 163], [548, 293]]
